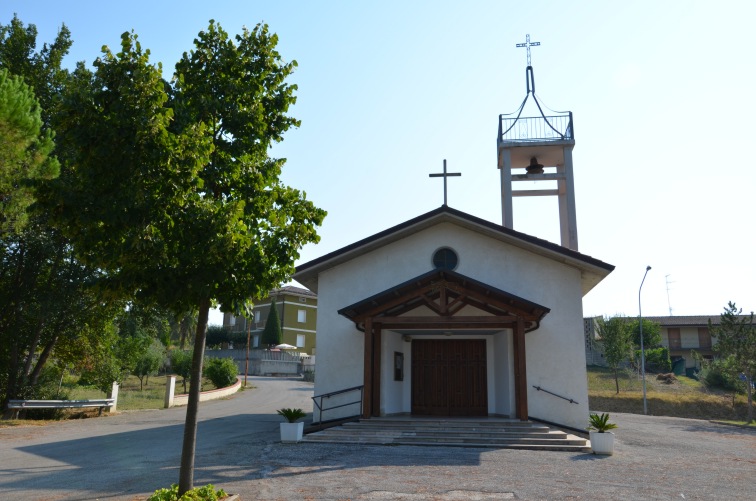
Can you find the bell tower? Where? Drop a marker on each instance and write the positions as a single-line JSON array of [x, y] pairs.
[[529, 146]]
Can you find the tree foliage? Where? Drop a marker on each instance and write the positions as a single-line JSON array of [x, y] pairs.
[[616, 339], [149, 362], [216, 336], [657, 359], [651, 333], [49, 310], [41, 70], [25, 152], [181, 365], [221, 371], [271, 335], [170, 189], [736, 342]]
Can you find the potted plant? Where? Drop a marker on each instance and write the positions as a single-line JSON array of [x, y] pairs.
[[291, 431], [602, 440]]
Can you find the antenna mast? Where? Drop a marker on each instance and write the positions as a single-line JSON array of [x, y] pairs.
[[666, 278]]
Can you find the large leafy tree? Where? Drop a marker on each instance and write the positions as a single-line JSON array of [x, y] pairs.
[[49, 310], [616, 339], [188, 211], [736, 342]]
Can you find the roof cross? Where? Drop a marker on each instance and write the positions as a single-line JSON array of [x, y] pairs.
[[445, 175], [528, 45]]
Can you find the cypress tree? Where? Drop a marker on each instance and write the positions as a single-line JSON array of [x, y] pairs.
[[272, 333]]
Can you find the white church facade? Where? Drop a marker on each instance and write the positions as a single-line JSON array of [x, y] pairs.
[[448, 314]]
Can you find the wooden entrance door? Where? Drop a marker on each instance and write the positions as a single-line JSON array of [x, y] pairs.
[[449, 377]]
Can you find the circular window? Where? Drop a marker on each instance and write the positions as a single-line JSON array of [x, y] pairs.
[[445, 259]]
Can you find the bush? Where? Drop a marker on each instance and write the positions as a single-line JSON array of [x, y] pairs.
[[206, 493], [103, 373], [657, 359], [717, 375], [221, 371]]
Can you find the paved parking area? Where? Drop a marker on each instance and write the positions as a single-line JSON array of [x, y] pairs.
[[126, 457]]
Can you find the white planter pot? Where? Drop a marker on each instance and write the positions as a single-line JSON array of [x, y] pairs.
[[602, 443], [291, 433]]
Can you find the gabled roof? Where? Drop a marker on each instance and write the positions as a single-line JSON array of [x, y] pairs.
[[690, 321], [592, 270], [295, 291], [446, 293]]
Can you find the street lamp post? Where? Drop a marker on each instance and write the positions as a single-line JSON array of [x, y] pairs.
[[643, 353]]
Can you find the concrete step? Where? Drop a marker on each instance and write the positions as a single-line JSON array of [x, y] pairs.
[[451, 433], [447, 425], [487, 434]]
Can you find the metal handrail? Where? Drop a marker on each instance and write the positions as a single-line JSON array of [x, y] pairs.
[[321, 410], [560, 396]]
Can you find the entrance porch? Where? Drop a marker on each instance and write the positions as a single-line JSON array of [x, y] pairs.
[[460, 342]]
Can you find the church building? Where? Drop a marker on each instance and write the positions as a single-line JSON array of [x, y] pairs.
[[447, 314]]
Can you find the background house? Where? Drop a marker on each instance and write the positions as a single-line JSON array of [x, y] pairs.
[[683, 334], [298, 311], [680, 334]]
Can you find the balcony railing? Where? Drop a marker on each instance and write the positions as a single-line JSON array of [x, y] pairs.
[[531, 129]]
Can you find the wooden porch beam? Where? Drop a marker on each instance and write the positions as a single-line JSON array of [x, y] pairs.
[[367, 391], [376, 407], [521, 374]]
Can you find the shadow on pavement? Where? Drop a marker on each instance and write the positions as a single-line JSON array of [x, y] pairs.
[[238, 447]]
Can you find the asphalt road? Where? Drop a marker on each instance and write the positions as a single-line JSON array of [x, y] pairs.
[[127, 456]]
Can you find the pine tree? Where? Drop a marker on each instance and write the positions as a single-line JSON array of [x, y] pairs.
[[736, 342]]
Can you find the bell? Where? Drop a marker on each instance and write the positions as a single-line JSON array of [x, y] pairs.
[[534, 167]]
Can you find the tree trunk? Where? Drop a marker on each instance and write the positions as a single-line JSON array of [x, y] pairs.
[[616, 380], [186, 474], [42, 360], [749, 382]]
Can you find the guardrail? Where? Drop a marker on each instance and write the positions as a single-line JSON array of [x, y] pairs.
[[19, 405]]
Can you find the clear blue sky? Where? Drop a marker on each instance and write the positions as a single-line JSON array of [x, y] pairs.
[[662, 94]]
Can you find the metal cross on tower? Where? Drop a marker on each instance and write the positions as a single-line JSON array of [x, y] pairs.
[[528, 45], [445, 175]]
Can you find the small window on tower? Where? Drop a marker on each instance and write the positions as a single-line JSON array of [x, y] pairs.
[[301, 316], [300, 340]]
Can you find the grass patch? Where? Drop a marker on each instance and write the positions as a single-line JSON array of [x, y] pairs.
[[131, 397], [737, 423], [685, 397]]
